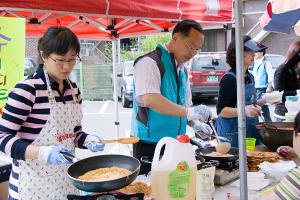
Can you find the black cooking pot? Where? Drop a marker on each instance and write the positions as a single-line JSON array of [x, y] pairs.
[[82, 166], [276, 134]]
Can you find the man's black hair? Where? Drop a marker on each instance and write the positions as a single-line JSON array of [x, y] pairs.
[[185, 26]]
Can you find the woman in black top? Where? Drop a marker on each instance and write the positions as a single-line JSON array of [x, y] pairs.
[[227, 122], [286, 78]]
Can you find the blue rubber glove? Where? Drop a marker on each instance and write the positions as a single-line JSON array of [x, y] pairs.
[[52, 155], [92, 143], [200, 112]]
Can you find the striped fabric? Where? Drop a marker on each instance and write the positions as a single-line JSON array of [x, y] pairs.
[[26, 112], [14, 181], [289, 187]]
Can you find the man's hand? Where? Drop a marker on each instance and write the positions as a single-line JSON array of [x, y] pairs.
[[202, 129], [201, 112]]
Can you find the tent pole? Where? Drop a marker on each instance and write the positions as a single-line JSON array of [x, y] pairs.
[[241, 99], [114, 57]]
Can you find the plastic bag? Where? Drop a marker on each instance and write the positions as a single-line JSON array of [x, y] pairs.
[[205, 187], [274, 97], [276, 171]]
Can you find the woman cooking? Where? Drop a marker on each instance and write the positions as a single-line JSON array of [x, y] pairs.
[[227, 122], [42, 118], [287, 79]]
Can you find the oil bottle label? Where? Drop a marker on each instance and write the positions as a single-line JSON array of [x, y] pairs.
[[179, 181]]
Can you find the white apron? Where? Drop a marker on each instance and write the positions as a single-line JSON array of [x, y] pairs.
[[39, 181]]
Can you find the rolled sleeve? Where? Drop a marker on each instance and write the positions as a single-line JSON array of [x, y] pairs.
[[147, 78], [17, 108]]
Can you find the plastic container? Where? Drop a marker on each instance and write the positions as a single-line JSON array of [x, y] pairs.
[[250, 144], [298, 94], [293, 106], [174, 175]]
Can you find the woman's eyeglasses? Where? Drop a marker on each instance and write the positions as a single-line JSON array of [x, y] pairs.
[[68, 62]]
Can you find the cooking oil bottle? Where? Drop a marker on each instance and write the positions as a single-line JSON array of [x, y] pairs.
[[173, 176]]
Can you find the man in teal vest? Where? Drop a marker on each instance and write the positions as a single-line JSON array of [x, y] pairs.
[[263, 78], [162, 96]]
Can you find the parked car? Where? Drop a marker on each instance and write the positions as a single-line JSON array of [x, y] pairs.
[[125, 84], [30, 66], [205, 72], [275, 60]]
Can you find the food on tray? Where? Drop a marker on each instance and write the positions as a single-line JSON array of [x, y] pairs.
[[254, 158], [217, 154], [105, 174], [137, 187]]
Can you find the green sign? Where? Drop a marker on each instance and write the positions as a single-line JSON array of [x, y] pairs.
[[12, 55]]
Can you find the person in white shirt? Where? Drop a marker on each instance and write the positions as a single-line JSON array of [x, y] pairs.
[[263, 77], [162, 95]]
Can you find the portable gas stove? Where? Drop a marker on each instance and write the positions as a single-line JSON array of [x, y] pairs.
[[107, 196], [227, 172], [223, 177]]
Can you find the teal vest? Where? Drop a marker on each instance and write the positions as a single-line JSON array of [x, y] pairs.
[[260, 75], [149, 125]]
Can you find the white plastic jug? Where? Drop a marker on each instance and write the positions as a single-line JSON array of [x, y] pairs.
[[173, 176]]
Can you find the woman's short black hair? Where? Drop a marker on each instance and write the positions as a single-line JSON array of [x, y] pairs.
[[230, 53], [58, 40], [185, 26], [297, 123]]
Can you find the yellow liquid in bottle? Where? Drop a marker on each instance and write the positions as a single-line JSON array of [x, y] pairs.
[[160, 181]]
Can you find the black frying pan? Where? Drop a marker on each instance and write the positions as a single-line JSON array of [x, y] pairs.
[[206, 150], [82, 166]]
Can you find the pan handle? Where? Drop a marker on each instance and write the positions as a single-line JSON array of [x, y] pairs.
[[70, 157]]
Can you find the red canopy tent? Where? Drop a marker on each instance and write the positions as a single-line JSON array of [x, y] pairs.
[[109, 19], [112, 19]]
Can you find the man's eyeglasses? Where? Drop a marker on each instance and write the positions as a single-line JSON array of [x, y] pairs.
[[190, 47], [68, 62]]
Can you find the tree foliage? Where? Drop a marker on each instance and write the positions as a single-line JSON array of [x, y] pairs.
[[108, 49], [148, 43]]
